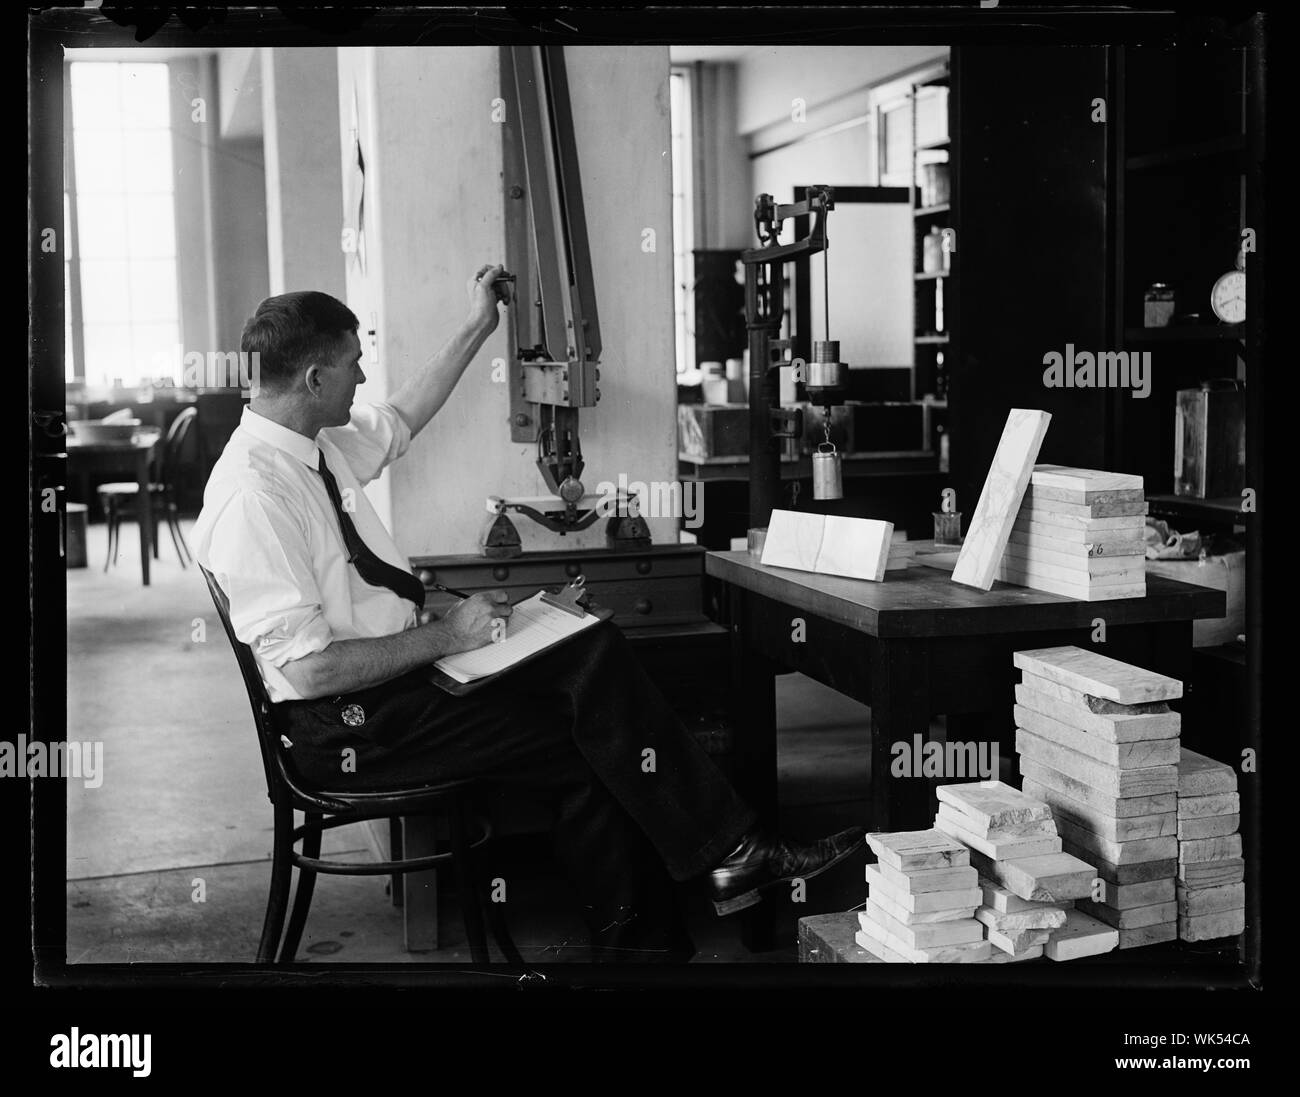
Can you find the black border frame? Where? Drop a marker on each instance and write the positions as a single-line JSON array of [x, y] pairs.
[[49, 31]]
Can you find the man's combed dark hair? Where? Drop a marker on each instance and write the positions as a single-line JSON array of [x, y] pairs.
[[292, 330]]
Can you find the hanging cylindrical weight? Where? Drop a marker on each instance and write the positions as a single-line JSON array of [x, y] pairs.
[[827, 483], [825, 371]]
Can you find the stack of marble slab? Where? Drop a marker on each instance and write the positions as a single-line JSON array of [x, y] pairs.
[[1099, 744], [921, 902], [1027, 883], [902, 554], [1079, 532], [1211, 870]]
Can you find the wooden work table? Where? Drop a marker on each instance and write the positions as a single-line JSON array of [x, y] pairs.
[[915, 646]]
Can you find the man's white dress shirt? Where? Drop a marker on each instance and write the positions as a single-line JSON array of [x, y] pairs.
[[269, 534]]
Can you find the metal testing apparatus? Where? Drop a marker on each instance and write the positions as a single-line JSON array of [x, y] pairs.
[[553, 330]]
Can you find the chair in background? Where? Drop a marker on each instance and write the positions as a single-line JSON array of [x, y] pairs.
[[118, 499], [324, 810]]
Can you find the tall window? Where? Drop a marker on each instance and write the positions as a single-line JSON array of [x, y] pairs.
[[123, 249], [683, 267]]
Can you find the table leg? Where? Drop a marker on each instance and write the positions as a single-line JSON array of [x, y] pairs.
[[900, 711], [754, 756], [144, 512]]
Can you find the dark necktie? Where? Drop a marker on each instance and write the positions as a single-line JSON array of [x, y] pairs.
[[376, 572]]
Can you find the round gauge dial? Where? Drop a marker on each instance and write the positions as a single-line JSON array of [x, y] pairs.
[[1228, 298]]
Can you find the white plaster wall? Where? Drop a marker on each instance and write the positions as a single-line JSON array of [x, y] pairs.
[[770, 76], [303, 181]]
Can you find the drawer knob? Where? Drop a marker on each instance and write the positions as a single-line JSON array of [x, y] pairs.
[[643, 605], [500, 574], [643, 567], [572, 569], [426, 577]]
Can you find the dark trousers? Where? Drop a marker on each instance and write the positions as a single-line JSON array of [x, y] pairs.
[[635, 799]]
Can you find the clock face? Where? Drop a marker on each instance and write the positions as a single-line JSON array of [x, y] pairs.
[[1228, 298]]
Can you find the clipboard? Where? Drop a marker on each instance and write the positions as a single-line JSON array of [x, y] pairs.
[[448, 684]]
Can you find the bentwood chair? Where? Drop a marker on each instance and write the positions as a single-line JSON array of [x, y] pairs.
[[119, 498], [326, 809]]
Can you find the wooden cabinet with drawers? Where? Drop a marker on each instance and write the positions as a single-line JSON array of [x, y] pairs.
[[659, 586], [659, 601]]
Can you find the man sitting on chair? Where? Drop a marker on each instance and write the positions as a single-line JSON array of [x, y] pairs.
[[329, 607]]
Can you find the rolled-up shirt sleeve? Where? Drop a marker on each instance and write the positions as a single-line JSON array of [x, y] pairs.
[[261, 557], [374, 437]]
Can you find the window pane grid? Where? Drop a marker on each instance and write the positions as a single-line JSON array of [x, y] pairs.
[[126, 247]]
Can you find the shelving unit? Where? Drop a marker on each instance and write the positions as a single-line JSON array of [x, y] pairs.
[[931, 189], [1179, 205]]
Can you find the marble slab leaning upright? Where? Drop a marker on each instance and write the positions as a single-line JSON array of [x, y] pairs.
[[1000, 499]]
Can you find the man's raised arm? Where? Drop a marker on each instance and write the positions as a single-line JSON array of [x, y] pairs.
[[427, 389]]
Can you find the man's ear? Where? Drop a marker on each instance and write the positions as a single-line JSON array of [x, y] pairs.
[[312, 380]]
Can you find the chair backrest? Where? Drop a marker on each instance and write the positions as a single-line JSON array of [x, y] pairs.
[[174, 444], [281, 782]]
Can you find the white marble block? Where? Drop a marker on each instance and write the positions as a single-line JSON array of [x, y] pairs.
[[1000, 499]]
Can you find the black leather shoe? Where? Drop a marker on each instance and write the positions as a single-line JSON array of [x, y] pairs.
[[762, 861]]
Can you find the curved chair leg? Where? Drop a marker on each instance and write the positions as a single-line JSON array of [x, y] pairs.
[[175, 530], [281, 869], [470, 910], [497, 923], [302, 897], [496, 917], [175, 515], [107, 506]]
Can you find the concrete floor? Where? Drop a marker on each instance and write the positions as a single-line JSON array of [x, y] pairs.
[[168, 860]]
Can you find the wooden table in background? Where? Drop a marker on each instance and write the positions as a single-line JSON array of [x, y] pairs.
[[89, 458], [912, 647]]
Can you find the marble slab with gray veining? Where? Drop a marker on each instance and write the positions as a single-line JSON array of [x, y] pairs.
[[922, 902], [1134, 755], [1035, 501], [909, 850], [1144, 936], [1122, 538], [1126, 807], [1196, 901], [966, 953], [828, 544], [1210, 826], [1101, 824], [998, 844], [1113, 727], [1209, 849], [1112, 780], [1202, 776], [1085, 480], [1098, 675], [998, 898], [1130, 852], [992, 805], [1074, 559], [1210, 927], [1215, 803], [1053, 877], [1037, 515], [1000, 499], [1204, 874], [1074, 543], [1082, 935]]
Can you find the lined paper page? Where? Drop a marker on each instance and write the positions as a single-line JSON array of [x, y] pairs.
[[532, 627]]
